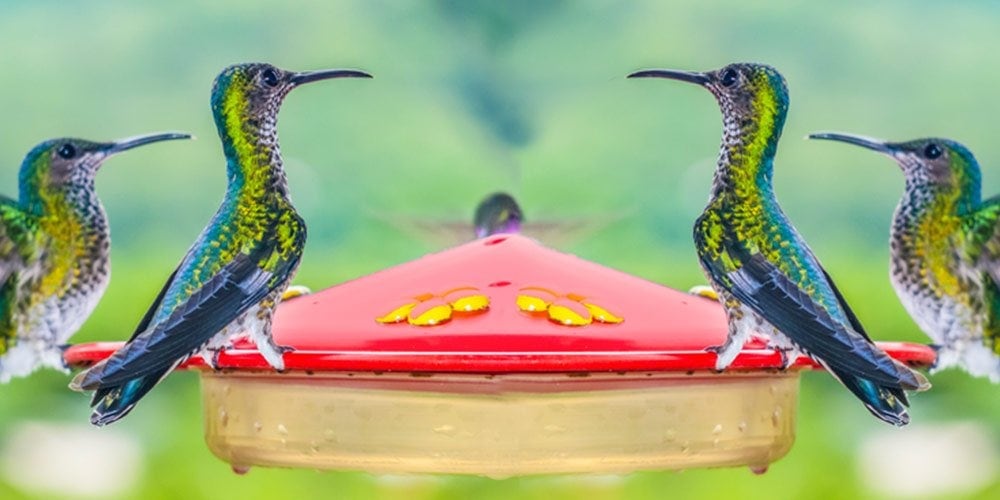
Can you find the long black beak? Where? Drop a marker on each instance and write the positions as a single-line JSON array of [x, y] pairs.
[[673, 74], [858, 140], [141, 140], [326, 74]]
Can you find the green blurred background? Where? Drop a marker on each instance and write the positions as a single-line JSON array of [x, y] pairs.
[[472, 96]]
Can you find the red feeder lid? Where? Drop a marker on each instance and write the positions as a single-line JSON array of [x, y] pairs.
[[500, 304]]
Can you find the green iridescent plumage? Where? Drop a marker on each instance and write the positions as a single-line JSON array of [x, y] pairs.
[[945, 250], [767, 278], [232, 277], [54, 250]]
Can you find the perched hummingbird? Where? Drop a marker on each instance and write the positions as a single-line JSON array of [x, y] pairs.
[[497, 213], [945, 246], [54, 250], [233, 276], [766, 277]]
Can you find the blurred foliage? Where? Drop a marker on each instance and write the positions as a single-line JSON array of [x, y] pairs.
[[474, 96]]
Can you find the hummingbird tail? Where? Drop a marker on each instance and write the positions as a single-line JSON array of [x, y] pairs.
[[111, 403], [888, 403]]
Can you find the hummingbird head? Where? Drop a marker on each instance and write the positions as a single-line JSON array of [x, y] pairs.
[[497, 213], [746, 92], [250, 94], [930, 161], [67, 164]]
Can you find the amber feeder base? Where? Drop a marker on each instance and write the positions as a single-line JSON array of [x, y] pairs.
[[500, 426]]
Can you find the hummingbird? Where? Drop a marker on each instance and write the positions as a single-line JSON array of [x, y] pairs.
[[766, 277], [55, 246], [497, 213], [233, 276], [945, 250]]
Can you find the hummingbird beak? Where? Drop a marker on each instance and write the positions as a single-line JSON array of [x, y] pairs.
[[857, 140], [673, 74], [325, 74], [142, 140]]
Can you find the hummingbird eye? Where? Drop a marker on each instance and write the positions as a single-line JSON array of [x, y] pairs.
[[66, 151], [932, 151], [269, 77], [729, 78]]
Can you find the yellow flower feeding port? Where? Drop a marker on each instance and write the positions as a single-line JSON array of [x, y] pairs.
[[500, 357]]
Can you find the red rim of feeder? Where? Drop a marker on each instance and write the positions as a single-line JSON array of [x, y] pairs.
[[501, 304]]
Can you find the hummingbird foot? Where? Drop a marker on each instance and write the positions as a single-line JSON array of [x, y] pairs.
[[716, 349], [272, 352], [788, 357], [739, 333], [211, 357]]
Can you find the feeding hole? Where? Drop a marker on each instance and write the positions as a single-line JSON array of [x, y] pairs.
[[494, 241], [497, 284]]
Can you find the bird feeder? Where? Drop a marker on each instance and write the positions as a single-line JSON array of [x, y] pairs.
[[500, 357]]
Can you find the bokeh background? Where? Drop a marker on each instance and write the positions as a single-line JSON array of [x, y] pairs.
[[471, 96]]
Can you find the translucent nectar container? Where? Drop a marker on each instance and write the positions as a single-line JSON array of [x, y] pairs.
[[500, 357]]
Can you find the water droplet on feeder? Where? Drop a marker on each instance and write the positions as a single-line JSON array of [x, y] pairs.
[[223, 417], [257, 426], [240, 469], [742, 427], [776, 416], [445, 429], [759, 469], [282, 429], [717, 429]]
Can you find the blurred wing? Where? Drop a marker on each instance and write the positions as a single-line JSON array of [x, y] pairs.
[[223, 298], [18, 238], [444, 233], [767, 291], [565, 232], [434, 232], [19, 250], [982, 231]]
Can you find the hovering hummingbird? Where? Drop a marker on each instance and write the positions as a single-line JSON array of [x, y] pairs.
[[945, 250], [54, 250], [767, 278], [497, 213], [233, 276]]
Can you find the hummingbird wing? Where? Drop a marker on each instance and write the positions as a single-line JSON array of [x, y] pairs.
[[982, 236], [771, 294], [982, 233], [232, 291], [19, 255]]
